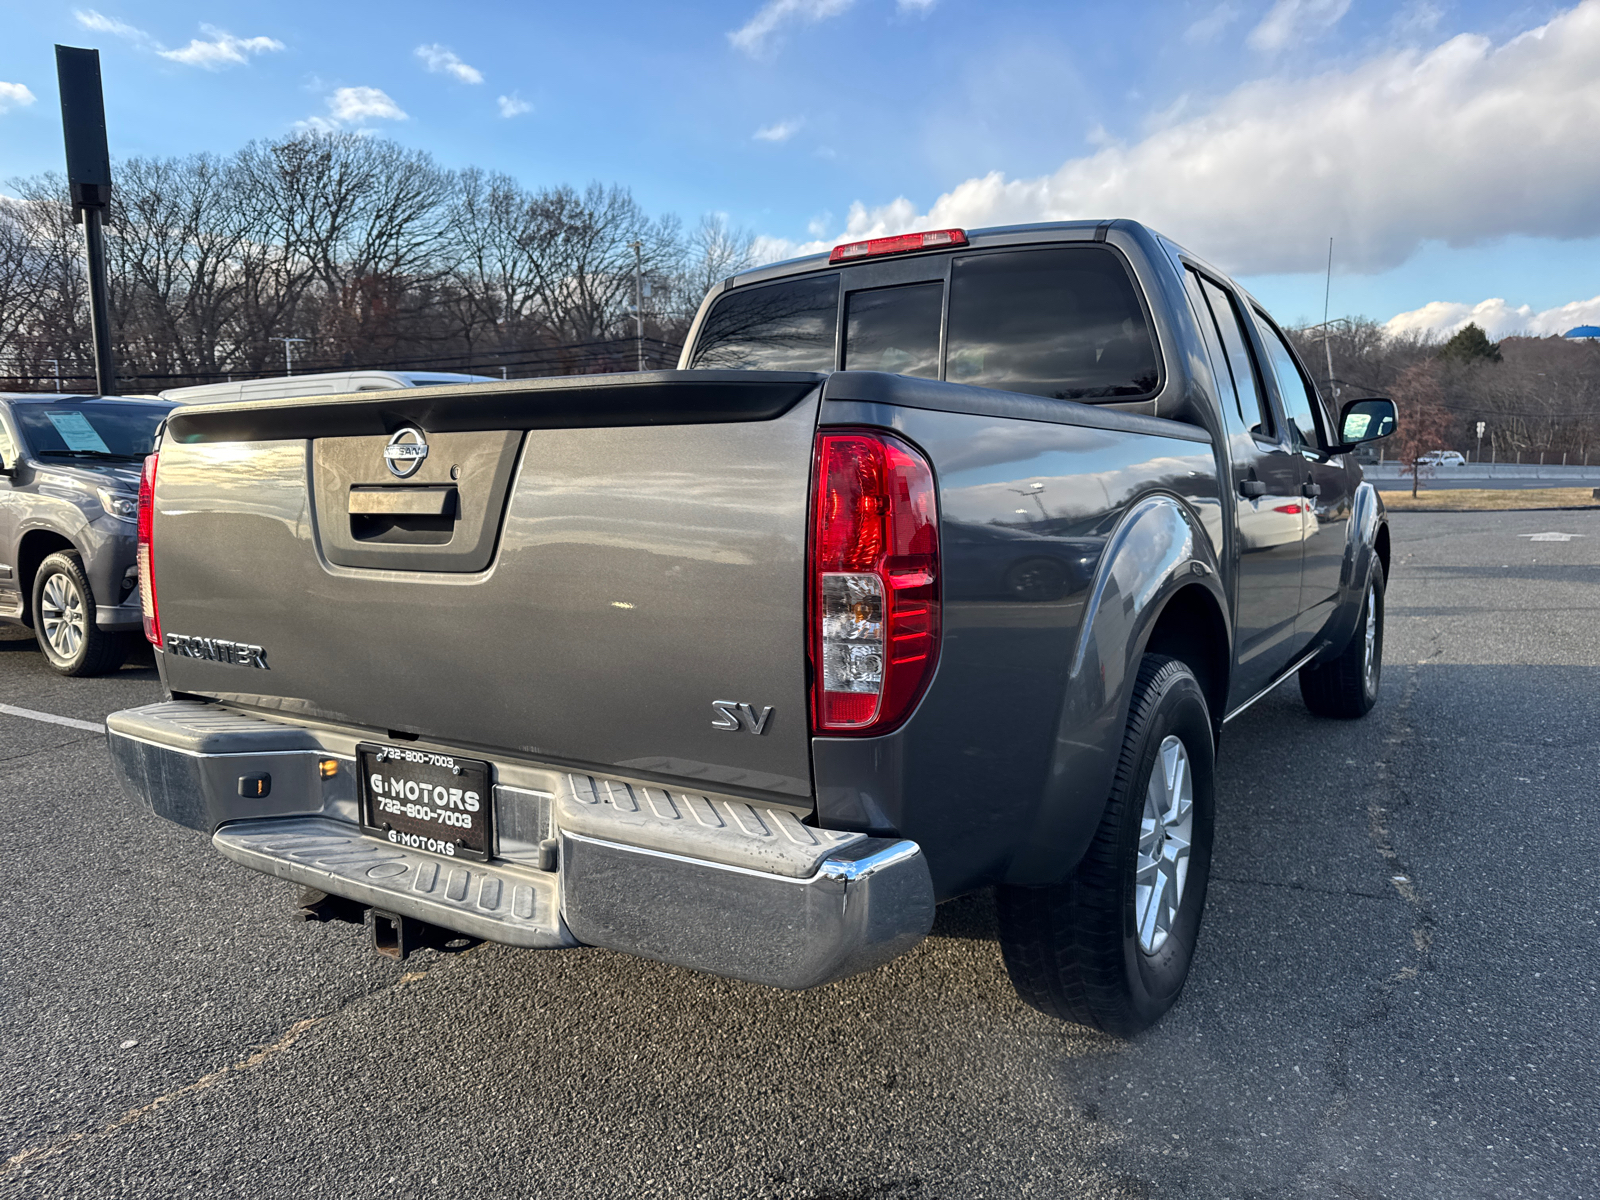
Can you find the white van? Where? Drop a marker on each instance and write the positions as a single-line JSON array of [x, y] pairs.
[[331, 383]]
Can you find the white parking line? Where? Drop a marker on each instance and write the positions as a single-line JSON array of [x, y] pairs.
[[51, 718]]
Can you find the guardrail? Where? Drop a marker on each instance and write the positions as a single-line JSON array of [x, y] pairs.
[[1553, 472]]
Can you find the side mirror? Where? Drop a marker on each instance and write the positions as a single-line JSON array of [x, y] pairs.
[[1366, 421]]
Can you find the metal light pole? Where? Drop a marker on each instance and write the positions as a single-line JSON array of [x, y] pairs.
[[638, 297], [83, 124], [288, 352], [1327, 295]]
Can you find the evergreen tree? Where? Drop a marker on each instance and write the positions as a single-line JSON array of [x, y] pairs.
[[1470, 344]]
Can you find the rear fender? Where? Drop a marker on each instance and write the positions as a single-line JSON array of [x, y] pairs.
[[1158, 550], [1360, 560]]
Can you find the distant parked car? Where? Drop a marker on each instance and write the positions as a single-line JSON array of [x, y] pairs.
[[69, 501], [1441, 458], [330, 383]]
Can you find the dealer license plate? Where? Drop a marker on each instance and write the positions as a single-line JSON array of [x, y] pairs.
[[423, 800]]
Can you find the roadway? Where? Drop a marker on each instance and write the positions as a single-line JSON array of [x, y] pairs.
[[1395, 994]]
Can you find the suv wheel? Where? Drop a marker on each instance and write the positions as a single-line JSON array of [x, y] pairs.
[[1111, 946], [1347, 686], [63, 620]]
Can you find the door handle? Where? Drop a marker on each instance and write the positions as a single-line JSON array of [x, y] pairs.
[[1311, 489], [1252, 488], [403, 501]]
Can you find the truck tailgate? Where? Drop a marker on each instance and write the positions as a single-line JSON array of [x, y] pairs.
[[577, 593]]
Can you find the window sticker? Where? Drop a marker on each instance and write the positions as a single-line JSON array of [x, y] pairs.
[[76, 431]]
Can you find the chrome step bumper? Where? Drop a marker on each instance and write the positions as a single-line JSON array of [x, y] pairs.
[[499, 902], [713, 883]]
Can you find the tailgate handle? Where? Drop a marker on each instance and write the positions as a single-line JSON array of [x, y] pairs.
[[403, 501]]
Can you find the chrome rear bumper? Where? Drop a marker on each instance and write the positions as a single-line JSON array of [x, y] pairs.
[[713, 883]]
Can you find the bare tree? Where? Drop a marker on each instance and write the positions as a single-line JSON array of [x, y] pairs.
[[1423, 420]]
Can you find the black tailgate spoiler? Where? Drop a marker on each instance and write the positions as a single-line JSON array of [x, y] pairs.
[[564, 402]]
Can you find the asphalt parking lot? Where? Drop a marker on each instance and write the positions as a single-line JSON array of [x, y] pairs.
[[1395, 995]]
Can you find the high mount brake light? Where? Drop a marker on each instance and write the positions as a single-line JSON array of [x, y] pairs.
[[874, 601], [903, 244], [147, 574]]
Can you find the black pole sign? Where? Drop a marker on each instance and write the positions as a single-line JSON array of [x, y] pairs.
[[83, 122]]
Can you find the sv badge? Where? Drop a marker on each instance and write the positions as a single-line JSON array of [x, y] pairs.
[[733, 717]]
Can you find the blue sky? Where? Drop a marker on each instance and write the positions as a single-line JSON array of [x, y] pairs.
[[1448, 148]]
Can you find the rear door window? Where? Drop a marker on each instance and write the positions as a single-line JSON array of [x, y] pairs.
[[786, 326], [1064, 323], [894, 329], [1251, 400]]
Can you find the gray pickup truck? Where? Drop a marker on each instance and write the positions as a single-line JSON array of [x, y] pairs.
[[939, 565], [69, 479]]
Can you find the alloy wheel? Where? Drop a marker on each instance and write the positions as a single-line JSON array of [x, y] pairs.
[[1165, 833], [1369, 661], [62, 612]]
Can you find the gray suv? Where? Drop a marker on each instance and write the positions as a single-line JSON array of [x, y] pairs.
[[69, 498]]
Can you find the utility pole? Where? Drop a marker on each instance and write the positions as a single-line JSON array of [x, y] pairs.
[[288, 352], [83, 124], [638, 297], [56, 363]]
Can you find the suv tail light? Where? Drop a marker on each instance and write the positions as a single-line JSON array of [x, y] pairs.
[[147, 574], [874, 600]]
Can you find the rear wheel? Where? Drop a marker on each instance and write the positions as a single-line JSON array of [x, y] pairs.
[[1111, 946], [64, 620], [1347, 686]]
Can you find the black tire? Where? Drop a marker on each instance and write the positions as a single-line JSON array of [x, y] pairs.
[[1074, 950], [63, 620], [1347, 686]]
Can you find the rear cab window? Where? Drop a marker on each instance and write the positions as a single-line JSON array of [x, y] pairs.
[[894, 329], [786, 326], [1065, 322]]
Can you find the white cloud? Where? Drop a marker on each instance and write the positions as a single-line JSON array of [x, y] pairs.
[[100, 23], [15, 95], [916, 8], [1214, 22], [354, 106], [442, 61], [753, 36], [1289, 22], [1416, 19], [1465, 143], [514, 106], [1495, 317], [223, 50], [363, 103], [780, 132]]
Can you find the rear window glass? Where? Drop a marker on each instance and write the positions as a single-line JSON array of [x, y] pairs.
[[96, 429], [894, 329], [1062, 323], [788, 326]]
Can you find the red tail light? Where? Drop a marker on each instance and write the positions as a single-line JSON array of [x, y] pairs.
[[147, 574], [903, 244], [874, 601]]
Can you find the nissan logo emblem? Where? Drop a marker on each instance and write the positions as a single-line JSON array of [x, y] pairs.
[[405, 452]]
